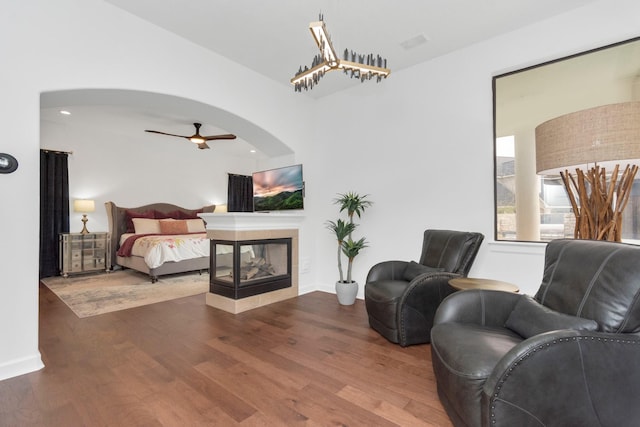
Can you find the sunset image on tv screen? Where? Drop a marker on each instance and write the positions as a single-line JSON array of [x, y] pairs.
[[278, 189]]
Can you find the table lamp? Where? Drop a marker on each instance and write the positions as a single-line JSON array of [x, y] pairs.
[[84, 206]]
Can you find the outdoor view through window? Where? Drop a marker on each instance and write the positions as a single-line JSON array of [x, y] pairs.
[[535, 207]]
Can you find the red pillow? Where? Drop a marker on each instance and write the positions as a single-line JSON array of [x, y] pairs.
[[170, 226], [182, 214], [161, 215], [133, 214]]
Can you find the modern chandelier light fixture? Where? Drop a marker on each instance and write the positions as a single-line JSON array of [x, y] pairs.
[[363, 67]]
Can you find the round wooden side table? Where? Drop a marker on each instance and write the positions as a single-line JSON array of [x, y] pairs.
[[463, 283]]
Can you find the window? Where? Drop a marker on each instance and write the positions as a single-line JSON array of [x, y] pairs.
[[531, 207]]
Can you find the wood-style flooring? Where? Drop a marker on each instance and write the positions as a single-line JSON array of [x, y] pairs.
[[305, 361]]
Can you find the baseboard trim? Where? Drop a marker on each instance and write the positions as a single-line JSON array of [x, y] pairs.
[[21, 366], [305, 289], [331, 289]]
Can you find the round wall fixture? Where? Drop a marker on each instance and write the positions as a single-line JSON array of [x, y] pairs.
[[8, 163]]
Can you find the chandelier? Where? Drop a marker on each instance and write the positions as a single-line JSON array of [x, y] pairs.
[[362, 67]]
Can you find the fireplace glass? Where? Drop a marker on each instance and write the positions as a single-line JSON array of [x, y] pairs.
[[244, 268]]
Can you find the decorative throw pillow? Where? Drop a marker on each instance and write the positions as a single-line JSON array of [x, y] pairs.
[[129, 215], [530, 318], [173, 226], [162, 215], [415, 269], [146, 226], [182, 214], [195, 225]]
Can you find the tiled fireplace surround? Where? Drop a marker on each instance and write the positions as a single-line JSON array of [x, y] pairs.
[[244, 226]]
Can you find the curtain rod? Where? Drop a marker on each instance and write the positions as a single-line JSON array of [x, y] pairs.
[[46, 150]]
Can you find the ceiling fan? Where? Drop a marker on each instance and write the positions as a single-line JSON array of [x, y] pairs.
[[196, 138]]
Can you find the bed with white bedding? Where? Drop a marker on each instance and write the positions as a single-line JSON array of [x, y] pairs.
[[158, 239]]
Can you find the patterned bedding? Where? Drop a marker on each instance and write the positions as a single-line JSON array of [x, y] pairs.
[[157, 249]]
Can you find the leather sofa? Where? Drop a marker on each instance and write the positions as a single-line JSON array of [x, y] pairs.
[[401, 297], [570, 356]]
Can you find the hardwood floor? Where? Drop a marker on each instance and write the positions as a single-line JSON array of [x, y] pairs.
[[304, 361]]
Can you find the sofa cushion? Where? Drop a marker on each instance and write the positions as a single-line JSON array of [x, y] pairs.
[[472, 351], [463, 356], [594, 279], [530, 318], [414, 269], [385, 290], [452, 250]]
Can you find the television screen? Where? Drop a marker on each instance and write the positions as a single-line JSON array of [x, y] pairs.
[[278, 189]]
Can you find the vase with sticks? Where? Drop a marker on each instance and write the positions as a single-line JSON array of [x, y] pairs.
[[598, 200]]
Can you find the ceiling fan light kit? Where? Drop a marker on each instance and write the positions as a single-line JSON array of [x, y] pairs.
[[362, 67], [196, 138]]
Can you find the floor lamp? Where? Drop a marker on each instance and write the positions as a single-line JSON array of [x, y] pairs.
[[593, 143]]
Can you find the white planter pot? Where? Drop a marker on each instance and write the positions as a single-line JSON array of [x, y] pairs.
[[346, 292]]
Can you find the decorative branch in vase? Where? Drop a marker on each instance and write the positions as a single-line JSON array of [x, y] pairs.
[[353, 204]]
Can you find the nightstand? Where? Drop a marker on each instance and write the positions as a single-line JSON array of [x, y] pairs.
[[84, 253]]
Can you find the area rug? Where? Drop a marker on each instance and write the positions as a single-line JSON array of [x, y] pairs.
[[91, 295]]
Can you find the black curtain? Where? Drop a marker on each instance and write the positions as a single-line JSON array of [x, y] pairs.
[[54, 208], [240, 193]]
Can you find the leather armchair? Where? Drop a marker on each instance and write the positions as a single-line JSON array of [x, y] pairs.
[[401, 297], [568, 357]]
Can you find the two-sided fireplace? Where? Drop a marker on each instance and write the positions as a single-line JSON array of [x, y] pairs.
[[238, 238], [245, 268]]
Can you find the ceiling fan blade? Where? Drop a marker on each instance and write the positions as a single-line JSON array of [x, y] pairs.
[[214, 137], [164, 133], [196, 137]]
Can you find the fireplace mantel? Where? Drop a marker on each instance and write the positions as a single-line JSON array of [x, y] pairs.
[[241, 221]]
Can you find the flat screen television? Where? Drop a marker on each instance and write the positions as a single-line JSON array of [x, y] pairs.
[[278, 189]]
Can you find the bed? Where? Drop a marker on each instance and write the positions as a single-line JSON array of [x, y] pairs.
[[161, 255]]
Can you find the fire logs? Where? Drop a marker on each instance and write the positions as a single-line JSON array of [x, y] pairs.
[[256, 268]]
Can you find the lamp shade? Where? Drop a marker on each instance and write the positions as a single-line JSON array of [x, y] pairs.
[[606, 135], [84, 206]]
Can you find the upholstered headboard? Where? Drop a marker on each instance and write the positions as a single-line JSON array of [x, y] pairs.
[[117, 217]]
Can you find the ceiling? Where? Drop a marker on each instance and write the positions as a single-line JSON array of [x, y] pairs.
[[272, 38]]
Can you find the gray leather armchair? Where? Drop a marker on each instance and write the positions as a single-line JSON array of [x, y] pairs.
[[401, 297], [567, 357]]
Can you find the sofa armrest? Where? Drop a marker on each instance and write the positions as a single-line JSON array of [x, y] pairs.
[[429, 288], [387, 270], [482, 307], [566, 377], [419, 303]]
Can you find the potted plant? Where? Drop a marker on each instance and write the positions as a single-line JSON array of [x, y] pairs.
[[353, 204]]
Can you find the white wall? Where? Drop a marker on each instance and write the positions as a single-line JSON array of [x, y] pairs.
[[420, 143], [77, 44], [422, 146], [113, 167]]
